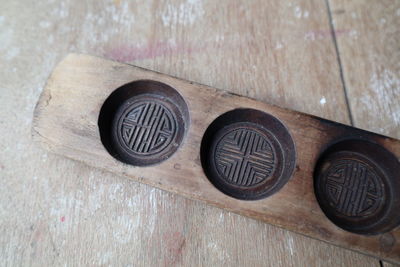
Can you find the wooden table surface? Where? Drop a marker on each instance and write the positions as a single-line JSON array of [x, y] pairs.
[[336, 59]]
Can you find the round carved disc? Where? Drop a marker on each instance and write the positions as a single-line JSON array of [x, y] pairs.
[[147, 129], [244, 157], [357, 187], [353, 187], [248, 154]]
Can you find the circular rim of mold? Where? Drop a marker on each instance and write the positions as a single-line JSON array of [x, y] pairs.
[[248, 154], [357, 186], [143, 123]]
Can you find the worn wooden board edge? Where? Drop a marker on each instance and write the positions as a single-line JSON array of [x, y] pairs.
[[78, 139]]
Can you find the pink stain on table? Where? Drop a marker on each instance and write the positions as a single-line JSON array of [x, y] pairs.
[[62, 219], [152, 50], [174, 244]]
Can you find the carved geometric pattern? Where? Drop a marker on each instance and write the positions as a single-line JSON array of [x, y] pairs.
[[148, 128], [353, 188], [244, 157]]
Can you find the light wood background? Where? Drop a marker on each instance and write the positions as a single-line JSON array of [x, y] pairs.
[[335, 59]]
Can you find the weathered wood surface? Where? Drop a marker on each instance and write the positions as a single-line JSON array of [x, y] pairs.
[[371, 74], [67, 114], [61, 211]]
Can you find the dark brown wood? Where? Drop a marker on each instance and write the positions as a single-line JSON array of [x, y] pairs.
[[143, 123], [358, 187], [248, 154]]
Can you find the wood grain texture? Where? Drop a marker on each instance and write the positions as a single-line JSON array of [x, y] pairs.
[[67, 114], [372, 73], [63, 212]]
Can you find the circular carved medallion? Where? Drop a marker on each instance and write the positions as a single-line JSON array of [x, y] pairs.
[[244, 157], [357, 187], [146, 127], [353, 188], [248, 154]]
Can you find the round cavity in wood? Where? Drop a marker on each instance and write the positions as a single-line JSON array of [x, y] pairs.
[[358, 188], [143, 123], [248, 154]]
